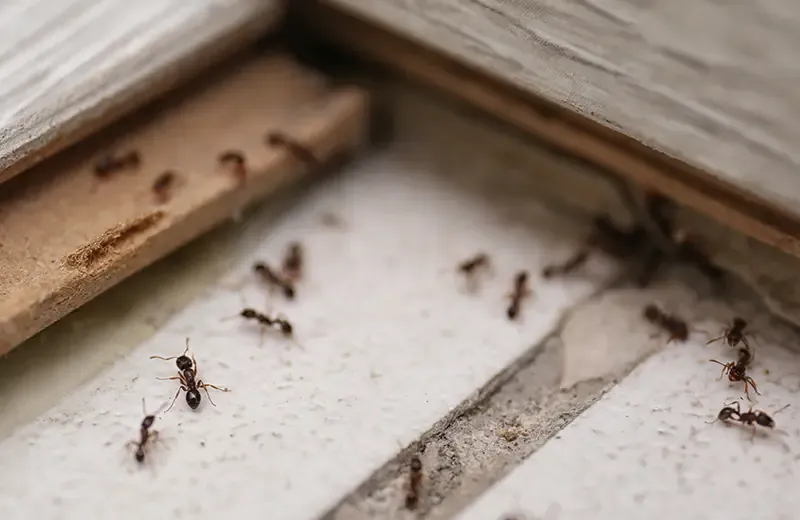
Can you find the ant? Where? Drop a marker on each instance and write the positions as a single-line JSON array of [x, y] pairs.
[[236, 161], [470, 267], [293, 262], [750, 417], [571, 265], [274, 279], [145, 434], [108, 164], [187, 375], [690, 252], [281, 324], [414, 480], [302, 153], [677, 328], [737, 370], [734, 334], [520, 291], [163, 184]]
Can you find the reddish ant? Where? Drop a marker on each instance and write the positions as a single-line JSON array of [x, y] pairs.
[[235, 160], [187, 375], [414, 481], [274, 279], [734, 334], [300, 152], [519, 292], [750, 417], [109, 163], [293, 262], [163, 185], [677, 328], [572, 264], [145, 435], [737, 370]]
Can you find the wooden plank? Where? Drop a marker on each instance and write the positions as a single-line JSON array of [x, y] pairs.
[[67, 236], [728, 201], [70, 67]]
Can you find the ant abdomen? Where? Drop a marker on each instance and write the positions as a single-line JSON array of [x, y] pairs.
[[193, 399]]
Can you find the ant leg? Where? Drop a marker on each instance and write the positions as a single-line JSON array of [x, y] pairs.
[[175, 398], [750, 381], [167, 378], [724, 367], [715, 339]]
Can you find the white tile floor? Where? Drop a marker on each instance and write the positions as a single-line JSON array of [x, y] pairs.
[[389, 344], [646, 451]]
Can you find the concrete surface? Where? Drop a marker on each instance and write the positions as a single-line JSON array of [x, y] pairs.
[[646, 450], [388, 343]]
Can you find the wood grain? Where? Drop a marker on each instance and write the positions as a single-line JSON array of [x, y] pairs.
[[712, 84], [60, 211], [728, 202], [70, 67]]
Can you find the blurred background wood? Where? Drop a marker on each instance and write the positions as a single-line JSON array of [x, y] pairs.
[[70, 67], [697, 102]]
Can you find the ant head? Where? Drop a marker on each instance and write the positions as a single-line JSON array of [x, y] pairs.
[[651, 312], [288, 291], [765, 420], [522, 277], [416, 464], [184, 362], [726, 413], [248, 313], [148, 421], [739, 323], [193, 399], [139, 455], [259, 267]]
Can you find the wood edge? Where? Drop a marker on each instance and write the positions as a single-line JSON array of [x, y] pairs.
[[560, 127], [333, 133], [142, 92]]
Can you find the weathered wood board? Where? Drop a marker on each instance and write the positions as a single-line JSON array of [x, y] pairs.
[[70, 67], [66, 236], [710, 86]]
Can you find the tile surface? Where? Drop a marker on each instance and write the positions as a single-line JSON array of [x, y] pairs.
[[388, 342]]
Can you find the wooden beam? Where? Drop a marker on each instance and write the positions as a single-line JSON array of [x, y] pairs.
[[725, 200], [67, 235], [69, 68]]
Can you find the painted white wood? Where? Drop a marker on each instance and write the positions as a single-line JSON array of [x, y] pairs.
[[65, 65], [646, 450], [713, 83]]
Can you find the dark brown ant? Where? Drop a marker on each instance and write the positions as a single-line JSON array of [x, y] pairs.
[[572, 264], [614, 241], [734, 334], [234, 159], [675, 326], [750, 417], [281, 324], [274, 279], [414, 481], [163, 184], [470, 267], [737, 370], [145, 434], [187, 375], [293, 262], [109, 163], [520, 291], [302, 153]]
